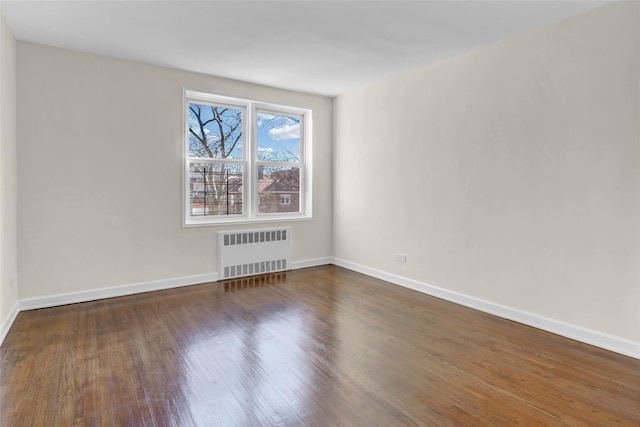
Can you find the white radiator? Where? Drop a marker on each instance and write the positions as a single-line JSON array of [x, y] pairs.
[[245, 253]]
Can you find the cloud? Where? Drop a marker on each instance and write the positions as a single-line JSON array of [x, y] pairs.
[[285, 132], [264, 118]]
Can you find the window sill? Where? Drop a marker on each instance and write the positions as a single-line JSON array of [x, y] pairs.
[[260, 220]]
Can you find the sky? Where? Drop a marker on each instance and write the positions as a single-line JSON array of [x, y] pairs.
[[278, 135]]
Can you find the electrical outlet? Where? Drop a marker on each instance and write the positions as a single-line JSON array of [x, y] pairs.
[[402, 258]]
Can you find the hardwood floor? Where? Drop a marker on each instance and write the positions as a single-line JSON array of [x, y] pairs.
[[322, 346]]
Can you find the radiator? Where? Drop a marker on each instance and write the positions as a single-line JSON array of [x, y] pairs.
[[245, 253]]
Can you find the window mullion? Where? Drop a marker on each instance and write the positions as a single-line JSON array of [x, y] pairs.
[[249, 168]]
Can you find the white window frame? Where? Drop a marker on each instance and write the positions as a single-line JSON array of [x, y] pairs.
[[250, 196]]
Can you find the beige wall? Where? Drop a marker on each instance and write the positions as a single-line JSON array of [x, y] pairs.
[[8, 175], [100, 173], [510, 174]]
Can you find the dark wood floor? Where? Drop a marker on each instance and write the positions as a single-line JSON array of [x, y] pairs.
[[322, 346]]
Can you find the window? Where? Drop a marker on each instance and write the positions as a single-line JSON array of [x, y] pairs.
[[245, 161]]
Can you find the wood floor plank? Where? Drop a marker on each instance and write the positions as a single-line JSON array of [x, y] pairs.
[[322, 346]]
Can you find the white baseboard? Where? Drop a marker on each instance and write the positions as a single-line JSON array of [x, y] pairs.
[[117, 291], [598, 339], [315, 262], [136, 288], [6, 323]]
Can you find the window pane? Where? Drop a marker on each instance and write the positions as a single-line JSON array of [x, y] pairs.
[[278, 189], [278, 138], [215, 132], [215, 189]]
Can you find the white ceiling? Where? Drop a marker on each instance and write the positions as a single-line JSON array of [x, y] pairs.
[[322, 47]]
